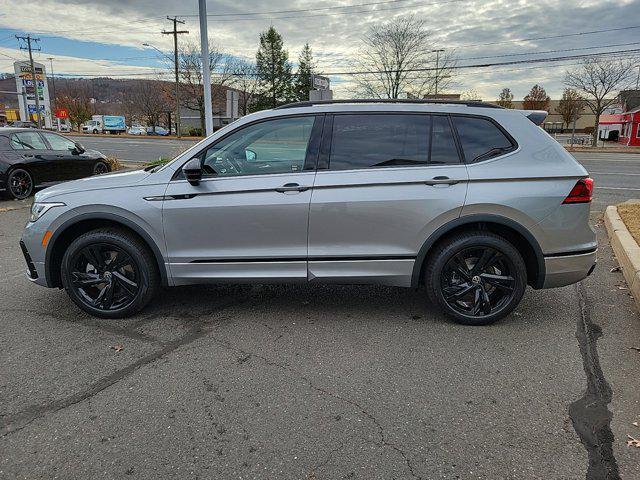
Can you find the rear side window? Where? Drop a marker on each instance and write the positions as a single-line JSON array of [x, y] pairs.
[[481, 139], [378, 140], [371, 141], [27, 141]]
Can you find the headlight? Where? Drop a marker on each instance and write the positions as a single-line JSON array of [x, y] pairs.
[[39, 209]]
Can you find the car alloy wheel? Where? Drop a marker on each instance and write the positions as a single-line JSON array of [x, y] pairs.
[[105, 277], [478, 281], [20, 184], [100, 168]]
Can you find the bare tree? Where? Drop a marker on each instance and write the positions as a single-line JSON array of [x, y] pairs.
[[536, 99], [570, 106], [150, 101], [75, 98], [398, 58], [505, 99], [599, 79], [191, 85], [244, 79]]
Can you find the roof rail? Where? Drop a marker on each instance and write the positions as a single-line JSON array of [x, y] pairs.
[[311, 103]]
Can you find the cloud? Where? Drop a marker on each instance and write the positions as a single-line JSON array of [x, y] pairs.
[[334, 35]]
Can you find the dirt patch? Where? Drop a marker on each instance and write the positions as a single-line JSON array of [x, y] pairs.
[[630, 215]]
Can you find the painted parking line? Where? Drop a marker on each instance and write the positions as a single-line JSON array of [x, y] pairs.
[[615, 173], [618, 188]]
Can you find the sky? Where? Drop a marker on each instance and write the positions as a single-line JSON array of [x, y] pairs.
[[106, 38]]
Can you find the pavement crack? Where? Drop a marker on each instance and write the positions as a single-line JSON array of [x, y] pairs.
[[383, 442], [590, 414], [13, 423]]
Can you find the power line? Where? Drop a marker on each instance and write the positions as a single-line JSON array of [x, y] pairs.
[[550, 51]]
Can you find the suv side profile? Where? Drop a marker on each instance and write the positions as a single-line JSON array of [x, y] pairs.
[[472, 201]]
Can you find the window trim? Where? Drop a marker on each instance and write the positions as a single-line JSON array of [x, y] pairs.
[[324, 162], [42, 139], [309, 162], [514, 144]]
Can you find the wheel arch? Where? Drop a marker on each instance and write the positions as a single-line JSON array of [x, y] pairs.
[[72, 228], [512, 231]]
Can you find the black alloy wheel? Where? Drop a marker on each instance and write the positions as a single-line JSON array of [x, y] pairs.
[[477, 278], [19, 184], [109, 273], [100, 167]]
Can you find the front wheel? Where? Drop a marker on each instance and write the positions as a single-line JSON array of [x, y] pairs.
[[109, 273], [100, 167], [477, 278]]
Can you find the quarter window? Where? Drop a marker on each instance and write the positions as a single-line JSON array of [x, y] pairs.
[[274, 146], [27, 141], [481, 139], [58, 142]]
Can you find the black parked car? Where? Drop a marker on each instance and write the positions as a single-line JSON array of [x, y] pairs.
[[36, 158]]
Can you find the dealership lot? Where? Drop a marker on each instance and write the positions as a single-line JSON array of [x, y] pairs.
[[317, 382]]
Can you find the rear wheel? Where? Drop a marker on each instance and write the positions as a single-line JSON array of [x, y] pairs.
[[109, 273], [476, 278], [19, 184]]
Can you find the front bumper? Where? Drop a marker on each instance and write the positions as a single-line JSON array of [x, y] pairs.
[[567, 269], [34, 252]]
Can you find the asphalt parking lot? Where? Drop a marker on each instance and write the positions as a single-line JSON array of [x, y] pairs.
[[322, 382]]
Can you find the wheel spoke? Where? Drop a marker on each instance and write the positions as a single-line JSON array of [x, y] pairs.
[[461, 267], [119, 261], [477, 302], [486, 260], [127, 285], [86, 279], [456, 292], [107, 300], [503, 282], [486, 301], [94, 255]]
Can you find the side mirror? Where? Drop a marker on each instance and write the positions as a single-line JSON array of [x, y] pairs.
[[78, 150], [193, 171], [250, 155]]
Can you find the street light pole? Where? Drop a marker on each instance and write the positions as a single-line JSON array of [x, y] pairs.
[[437, 52], [53, 81], [206, 72]]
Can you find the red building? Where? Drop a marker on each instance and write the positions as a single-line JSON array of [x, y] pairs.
[[630, 133]]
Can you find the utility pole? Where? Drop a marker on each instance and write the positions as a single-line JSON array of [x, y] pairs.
[[206, 72], [53, 81], [29, 39], [437, 52], [175, 32]]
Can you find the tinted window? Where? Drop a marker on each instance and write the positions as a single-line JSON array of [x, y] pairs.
[[27, 141], [443, 146], [58, 142], [363, 141], [480, 138], [275, 146]]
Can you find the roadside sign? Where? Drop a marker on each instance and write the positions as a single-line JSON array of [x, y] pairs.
[[62, 113], [318, 82]]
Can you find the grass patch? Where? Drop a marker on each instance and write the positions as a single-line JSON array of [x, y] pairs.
[[630, 215], [160, 161], [114, 164]]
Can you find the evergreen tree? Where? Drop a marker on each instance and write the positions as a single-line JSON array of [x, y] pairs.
[[306, 69], [273, 71]]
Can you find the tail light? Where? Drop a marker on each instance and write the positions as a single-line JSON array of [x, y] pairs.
[[582, 192]]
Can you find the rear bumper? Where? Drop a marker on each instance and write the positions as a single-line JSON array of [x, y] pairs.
[[564, 270]]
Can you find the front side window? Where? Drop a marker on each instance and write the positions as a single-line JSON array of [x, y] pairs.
[[274, 146], [481, 139], [378, 140], [27, 141], [58, 142]]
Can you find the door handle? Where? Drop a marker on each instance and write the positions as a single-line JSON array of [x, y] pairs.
[[292, 187], [442, 180]]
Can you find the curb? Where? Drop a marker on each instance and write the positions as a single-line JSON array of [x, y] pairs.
[[626, 249]]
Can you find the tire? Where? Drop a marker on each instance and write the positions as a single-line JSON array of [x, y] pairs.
[[95, 132], [19, 184], [468, 291], [100, 167], [107, 290]]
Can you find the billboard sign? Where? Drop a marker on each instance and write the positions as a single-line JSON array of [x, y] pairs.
[[318, 82], [32, 87]]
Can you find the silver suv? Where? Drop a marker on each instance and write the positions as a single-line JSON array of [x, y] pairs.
[[472, 201]]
